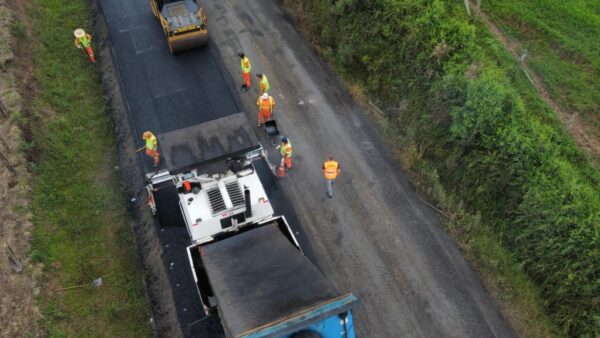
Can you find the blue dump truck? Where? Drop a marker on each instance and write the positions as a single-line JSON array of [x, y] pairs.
[[248, 266], [261, 285]]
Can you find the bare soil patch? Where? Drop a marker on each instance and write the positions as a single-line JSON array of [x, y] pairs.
[[19, 314]]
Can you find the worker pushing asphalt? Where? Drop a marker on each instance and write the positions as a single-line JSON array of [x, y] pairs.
[[151, 147]]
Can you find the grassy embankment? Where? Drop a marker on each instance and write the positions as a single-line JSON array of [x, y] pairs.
[[82, 228], [563, 40], [524, 201]]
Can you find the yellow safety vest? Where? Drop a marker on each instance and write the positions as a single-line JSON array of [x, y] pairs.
[[243, 63], [286, 149], [151, 143], [84, 41], [264, 84]]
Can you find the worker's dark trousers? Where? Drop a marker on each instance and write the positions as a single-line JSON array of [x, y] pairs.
[[330, 188]]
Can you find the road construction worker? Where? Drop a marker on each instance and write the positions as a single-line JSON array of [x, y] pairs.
[[264, 83], [285, 150], [152, 147], [84, 40], [331, 169], [265, 104], [246, 68]]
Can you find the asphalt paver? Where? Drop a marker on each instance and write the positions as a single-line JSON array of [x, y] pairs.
[[375, 238]]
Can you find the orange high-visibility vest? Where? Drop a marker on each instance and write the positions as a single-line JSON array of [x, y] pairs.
[[245, 65], [330, 170], [269, 103]]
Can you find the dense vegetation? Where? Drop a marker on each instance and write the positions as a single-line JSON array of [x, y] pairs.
[[483, 130], [563, 40], [82, 228]]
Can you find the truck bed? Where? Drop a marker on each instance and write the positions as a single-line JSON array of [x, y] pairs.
[[260, 279]]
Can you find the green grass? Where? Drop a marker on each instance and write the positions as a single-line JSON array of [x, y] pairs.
[[496, 256], [18, 30], [563, 38], [514, 293], [82, 229]]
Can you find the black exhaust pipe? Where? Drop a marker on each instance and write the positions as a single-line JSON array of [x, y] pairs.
[[248, 204]]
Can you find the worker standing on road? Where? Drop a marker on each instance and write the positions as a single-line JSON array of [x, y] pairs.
[[151, 147], [84, 40], [331, 169], [246, 68], [265, 104], [264, 83], [285, 150]]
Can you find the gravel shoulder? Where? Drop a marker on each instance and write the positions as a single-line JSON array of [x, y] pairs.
[[375, 237]]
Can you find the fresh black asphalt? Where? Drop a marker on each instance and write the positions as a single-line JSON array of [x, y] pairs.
[[165, 93]]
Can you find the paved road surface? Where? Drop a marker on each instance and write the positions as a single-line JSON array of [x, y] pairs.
[[374, 238]]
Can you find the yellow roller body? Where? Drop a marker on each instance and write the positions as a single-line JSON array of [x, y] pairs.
[[188, 40]]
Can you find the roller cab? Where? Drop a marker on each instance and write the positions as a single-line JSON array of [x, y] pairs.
[[183, 22]]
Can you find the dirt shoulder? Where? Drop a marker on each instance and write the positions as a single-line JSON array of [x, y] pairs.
[[19, 314], [20, 279]]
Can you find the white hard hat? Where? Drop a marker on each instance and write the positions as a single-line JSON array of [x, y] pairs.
[[265, 96], [79, 33]]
